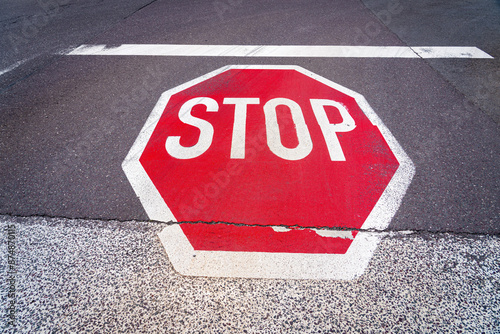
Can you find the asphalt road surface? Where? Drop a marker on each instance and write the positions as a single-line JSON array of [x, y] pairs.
[[88, 257]]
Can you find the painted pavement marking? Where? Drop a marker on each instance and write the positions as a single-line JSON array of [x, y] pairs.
[[344, 170], [325, 51]]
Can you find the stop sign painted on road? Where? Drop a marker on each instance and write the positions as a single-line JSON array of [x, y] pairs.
[[286, 165]]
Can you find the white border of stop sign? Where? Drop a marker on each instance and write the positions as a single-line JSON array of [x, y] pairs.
[[188, 261]]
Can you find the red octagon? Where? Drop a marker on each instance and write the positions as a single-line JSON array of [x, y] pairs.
[[273, 146]]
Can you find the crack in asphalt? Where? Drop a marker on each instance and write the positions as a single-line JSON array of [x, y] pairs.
[[146, 5], [290, 227]]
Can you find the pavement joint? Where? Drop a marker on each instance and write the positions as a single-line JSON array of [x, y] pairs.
[[127, 223]]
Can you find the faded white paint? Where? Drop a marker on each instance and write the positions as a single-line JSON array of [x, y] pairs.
[[12, 67]]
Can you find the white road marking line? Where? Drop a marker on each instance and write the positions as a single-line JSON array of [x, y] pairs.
[[326, 51], [11, 67]]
